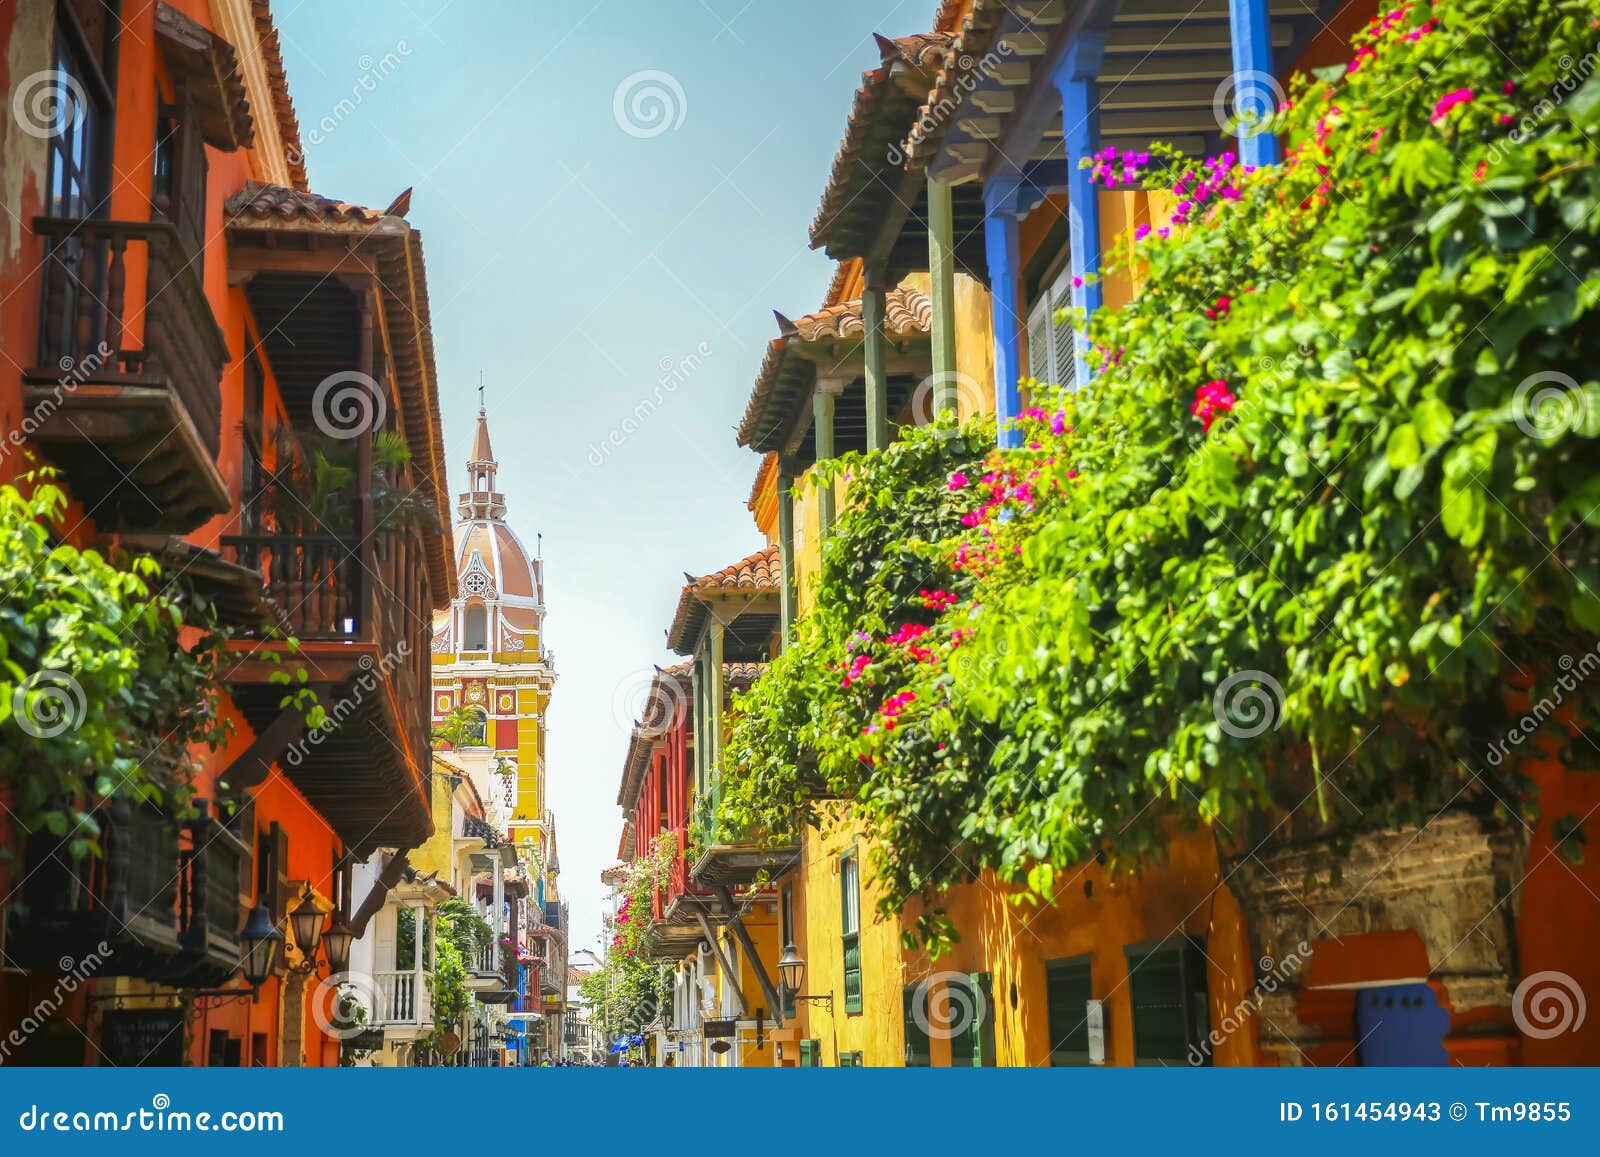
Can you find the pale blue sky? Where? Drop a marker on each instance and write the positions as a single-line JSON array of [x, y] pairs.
[[569, 261]]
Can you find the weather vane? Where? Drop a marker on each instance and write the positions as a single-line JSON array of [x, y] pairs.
[[480, 389]]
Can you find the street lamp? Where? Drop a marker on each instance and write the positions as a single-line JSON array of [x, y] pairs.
[[260, 938], [792, 973], [305, 920], [336, 942]]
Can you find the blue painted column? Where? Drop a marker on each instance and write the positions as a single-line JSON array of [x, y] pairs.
[[1004, 253], [1074, 78], [1253, 89]]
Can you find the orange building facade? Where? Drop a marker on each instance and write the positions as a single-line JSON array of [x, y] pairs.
[[181, 315]]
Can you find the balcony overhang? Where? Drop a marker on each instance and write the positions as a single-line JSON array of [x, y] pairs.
[[364, 771], [741, 865]]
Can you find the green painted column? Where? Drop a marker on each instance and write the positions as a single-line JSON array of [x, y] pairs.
[[942, 273], [823, 401], [697, 675], [874, 343], [714, 711], [786, 594]]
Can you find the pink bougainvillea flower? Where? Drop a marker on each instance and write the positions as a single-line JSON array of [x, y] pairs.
[[958, 481], [1449, 101], [1211, 399]]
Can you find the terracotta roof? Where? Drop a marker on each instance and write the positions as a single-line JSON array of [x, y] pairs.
[[908, 313], [265, 203], [768, 467], [906, 66], [278, 84], [963, 59], [756, 572], [758, 576]]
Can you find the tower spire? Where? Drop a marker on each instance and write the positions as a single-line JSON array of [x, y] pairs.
[[481, 499]]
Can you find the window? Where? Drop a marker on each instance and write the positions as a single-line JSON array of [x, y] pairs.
[[1067, 994], [811, 1054], [1051, 345], [850, 927], [914, 1002], [972, 1009], [1167, 981], [850, 1060], [476, 629], [80, 109], [476, 732]]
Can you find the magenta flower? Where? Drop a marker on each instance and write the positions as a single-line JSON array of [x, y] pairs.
[[1449, 101]]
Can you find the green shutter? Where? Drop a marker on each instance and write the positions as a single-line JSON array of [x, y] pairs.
[[850, 1060], [983, 1054], [914, 1001], [850, 925], [807, 1054], [972, 1000], [1068, 990], [1167, 984]]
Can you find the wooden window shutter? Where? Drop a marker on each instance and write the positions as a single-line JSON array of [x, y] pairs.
[[1040, 345], [914, 1002], [1068, 990], [1167, 985], [280, 873], [808, 1053], [1063, 338], [242, 823]]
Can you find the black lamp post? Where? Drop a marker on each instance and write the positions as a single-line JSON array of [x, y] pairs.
[[792, 973]]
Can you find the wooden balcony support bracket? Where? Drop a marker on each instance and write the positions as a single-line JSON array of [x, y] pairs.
[[255, 763], [742, 935], [387, 879], [728, 972]]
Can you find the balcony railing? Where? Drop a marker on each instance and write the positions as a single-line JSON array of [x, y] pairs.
[[210, 913], [402, 999], [359, 589], [126, 898], [119, 370]]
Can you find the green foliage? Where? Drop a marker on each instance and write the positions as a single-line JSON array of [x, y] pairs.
[[462, 727], [1390, 524], [312, 488], [108, 674], [629, 989]]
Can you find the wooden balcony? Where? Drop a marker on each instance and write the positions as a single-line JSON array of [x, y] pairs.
[[125, 900], [125, 390], [359, 608], [215, 875]]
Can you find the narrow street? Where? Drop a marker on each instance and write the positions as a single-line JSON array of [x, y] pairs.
[[1070, 528]]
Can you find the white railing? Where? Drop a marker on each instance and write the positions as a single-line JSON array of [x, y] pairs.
[[402, 998]]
